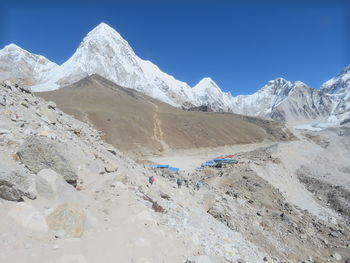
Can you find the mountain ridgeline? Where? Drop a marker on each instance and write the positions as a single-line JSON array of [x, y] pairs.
[[104, 52]]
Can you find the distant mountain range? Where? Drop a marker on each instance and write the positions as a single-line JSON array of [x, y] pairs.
[[104, 52]]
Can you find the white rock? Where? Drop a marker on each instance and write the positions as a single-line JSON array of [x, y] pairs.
[[4, 131], [53, 187], [29, 132], [48, 115], [336, 256], [199, 259], [28, 217]]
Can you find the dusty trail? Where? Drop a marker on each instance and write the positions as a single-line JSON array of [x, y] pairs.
[[157, 130], [189, 160]]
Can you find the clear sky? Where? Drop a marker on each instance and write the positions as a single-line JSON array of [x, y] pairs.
[[239, 44]]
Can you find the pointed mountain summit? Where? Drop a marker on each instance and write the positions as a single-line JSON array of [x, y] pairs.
[[209, 94], [103, 51]]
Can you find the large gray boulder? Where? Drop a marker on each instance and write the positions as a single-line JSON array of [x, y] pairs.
[[39, 153], [14, 185]]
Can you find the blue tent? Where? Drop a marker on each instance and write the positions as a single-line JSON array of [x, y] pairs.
[[164, 166]]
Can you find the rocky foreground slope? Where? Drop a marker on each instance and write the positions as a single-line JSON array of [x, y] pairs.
[[67, 196]]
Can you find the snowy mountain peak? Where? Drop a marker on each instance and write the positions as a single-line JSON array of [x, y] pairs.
[[19, 65], [207, 84], [105, 32], [339, 86], [11, 47]]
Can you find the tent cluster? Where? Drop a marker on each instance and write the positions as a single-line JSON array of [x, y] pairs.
[[164, 166], [219, 162]]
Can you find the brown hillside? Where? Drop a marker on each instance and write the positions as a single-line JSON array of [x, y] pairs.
[[134, 122]]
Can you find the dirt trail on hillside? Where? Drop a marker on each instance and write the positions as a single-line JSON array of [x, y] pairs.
[[135, 123], [157, 130]]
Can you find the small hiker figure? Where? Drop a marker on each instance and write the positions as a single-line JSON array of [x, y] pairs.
[[179, 182], [151, 180]]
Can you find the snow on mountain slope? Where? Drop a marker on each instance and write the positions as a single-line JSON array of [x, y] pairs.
[[283, 100], [18, 64], [263, 101], [304, 104], [339, 86], [103, 51], [209, 94]]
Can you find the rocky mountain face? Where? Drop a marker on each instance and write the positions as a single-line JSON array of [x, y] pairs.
[[339, 88], [24, 67], [304, 103], [103, 51]]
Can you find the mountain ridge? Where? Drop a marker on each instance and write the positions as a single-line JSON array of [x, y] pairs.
[[105, 52]]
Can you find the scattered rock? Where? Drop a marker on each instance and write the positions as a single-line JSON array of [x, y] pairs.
[[165, 196], [14, 185], [208, 201], [110, 168], [29, 132], [3, 100], [4, 131], [51, 105], [25, 89], [14, 117], [39, 153], [69, 217], [199, 259], [48, 115], [336, 256]]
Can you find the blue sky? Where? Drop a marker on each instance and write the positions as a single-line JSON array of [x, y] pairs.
[[239, 44]]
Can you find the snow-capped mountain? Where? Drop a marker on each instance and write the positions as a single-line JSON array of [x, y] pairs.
[[103, 51], [339, 86], [208, 93], [27, 68], [263, 101], [283, 100], [304, 104]]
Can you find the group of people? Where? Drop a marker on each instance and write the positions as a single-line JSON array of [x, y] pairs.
[[179, 182]]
